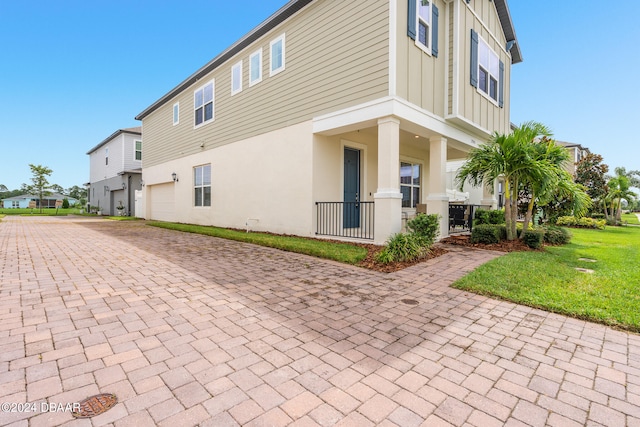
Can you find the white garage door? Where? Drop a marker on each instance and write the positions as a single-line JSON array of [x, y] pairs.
[[163, 202]]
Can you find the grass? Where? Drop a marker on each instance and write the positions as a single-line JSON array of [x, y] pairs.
[[342, 252], [630, 218], [36, 211], [549, 279]]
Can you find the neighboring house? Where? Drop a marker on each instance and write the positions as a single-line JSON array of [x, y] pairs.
[[332, 118], [48, 201], [116, 171], [576, 153]]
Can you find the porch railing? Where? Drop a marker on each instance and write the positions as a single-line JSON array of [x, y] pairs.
[[461, 217], [345, 219]]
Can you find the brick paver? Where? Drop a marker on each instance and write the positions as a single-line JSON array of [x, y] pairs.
[[194, 330]]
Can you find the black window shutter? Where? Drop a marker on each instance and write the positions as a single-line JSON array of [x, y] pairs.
[[411, 19], [434, 30], [474, 58], [501, 95]]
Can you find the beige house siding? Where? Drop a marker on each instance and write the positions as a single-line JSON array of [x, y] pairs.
[[336, 56], [473, 106], [421, 77]]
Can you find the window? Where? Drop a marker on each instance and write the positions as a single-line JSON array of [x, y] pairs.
[[106, 156], [277, 56], [138, 150], [15, 204], [236, 78], [487, 70], [176, 113], [410, 184], [203, 104], [422, 25], [255, 68], [202, 185]]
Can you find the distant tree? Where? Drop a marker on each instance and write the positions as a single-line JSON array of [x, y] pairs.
[[591, 173], [3, 188], [619, 190], [76, 192], [40, 186], [65, 203], [57, 188]]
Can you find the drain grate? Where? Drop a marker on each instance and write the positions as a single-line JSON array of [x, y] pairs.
[[409, 301], [95, 405]]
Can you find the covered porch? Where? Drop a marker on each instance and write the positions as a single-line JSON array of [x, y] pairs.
[[371, 176]]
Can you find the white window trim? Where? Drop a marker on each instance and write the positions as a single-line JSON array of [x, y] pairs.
[[202, 186], [478, 89], [213, 105], [425, 49], [412, 161], [175, 117], [134, 150], [272, 71], [233, 68], [259, 78]]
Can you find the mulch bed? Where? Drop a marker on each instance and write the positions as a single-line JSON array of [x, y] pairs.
[[372, 250], [503, 246]]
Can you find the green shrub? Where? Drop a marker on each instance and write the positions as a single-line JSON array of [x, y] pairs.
[[533, 238], [556, 235], [401, 248], [486, 233], [584, 222], [597, 216], [502, 230], [65, 203], [568, 221], [496, 217], [426, 227]]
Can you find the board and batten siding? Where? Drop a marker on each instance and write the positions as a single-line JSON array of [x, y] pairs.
[[421, 77], [336, 56], [472, 105]]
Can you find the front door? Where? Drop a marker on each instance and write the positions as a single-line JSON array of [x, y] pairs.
[[351, 212]]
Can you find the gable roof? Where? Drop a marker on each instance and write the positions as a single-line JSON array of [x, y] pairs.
[[281, 15], [508, 29], [134, 131]]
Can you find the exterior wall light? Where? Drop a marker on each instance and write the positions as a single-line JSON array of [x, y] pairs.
[[175, 177]]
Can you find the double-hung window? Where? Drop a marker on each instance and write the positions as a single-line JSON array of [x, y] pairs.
[[410, 184], [203, 104], [255, 67], [138, 151], [422, 23], [236, 78], [277, 56], [202, 185], [487, 70]]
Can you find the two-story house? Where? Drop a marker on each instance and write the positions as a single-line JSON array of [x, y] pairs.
[[332, 118], [116, 172]]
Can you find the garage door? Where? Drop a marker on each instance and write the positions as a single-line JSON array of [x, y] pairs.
[[163, 202]]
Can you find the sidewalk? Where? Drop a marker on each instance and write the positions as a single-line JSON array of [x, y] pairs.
[[193, 330]]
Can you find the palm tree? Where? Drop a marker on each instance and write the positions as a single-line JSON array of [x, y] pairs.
[[619, 189]]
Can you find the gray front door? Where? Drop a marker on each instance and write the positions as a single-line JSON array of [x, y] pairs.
[[351, 212]]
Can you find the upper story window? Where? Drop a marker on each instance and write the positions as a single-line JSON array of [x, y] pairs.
[[202, 185], [176, 113], [277, 56], [487, 70], [106, 156], [410, 184], [255, 67], [138, 154], [422, 25], [203, 104], [236, 78]]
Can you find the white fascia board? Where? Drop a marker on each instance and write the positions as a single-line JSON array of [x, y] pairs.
[[411, 116]]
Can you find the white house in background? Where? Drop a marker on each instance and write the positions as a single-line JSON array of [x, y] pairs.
[[116, 172], [48, 201], [332, 118]]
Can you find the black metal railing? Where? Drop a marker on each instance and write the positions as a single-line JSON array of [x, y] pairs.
[[461, 217], [345, 219]]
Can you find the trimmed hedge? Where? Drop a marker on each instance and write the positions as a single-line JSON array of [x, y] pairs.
[[584, 222], [533, 238], [487, 233], [556, 235]]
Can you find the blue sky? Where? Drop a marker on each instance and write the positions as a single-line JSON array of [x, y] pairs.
[[74, 71]]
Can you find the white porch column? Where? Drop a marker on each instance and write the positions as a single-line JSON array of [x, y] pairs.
[[437, 199], [489, 199], [388, 199]]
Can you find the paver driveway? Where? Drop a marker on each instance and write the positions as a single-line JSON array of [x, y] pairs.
[[189, 330]]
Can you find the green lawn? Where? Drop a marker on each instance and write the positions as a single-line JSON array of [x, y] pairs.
[[630, 218], [45, 211], [342, 252], [549, 279]]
